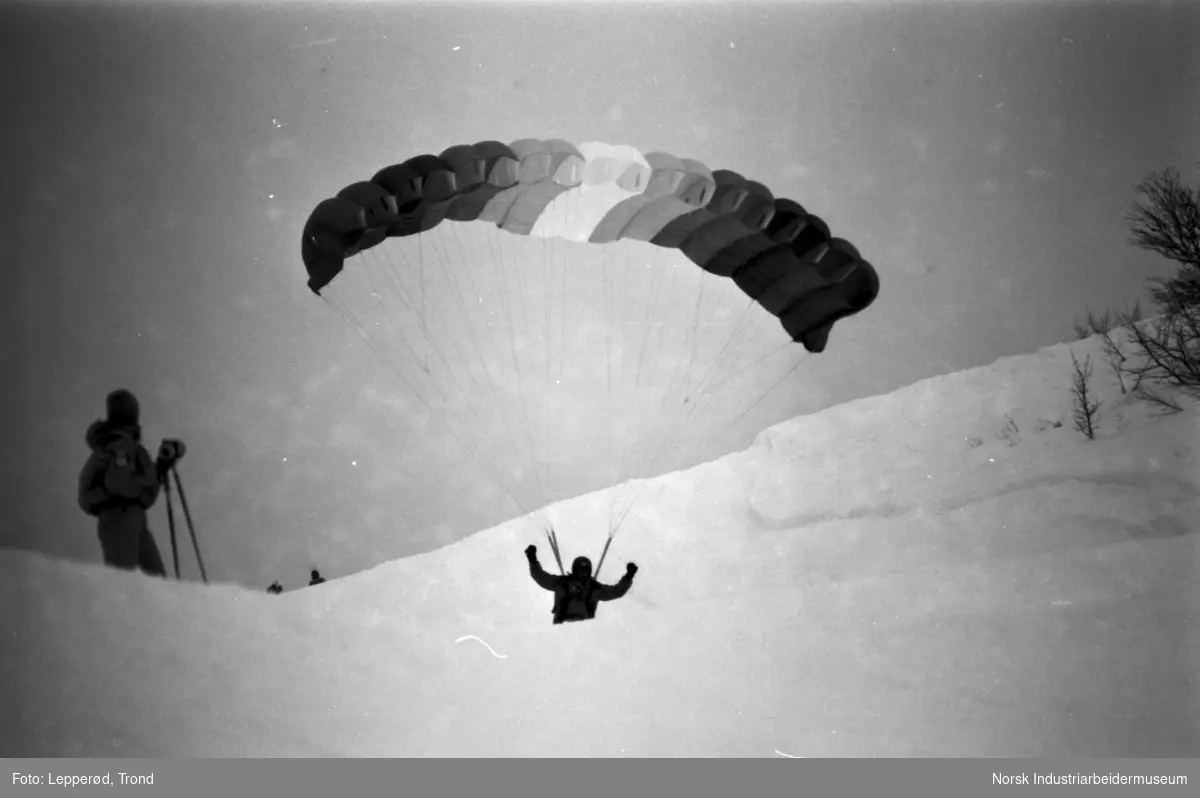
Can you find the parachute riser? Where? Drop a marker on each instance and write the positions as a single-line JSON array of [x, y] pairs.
[[603, 554], [553, 538]]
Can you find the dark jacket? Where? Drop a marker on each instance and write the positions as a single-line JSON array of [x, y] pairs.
[[119, 473], [593, 592], [118, 483]]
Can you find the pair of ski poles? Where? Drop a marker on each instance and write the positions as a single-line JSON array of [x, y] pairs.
[[552, 536], [171, 522]]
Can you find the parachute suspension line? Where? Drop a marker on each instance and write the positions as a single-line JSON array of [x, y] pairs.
[[680, 422], [651, 326], [389, 268], [503, 290], [626, 286], [610, 410], [650, 305], [758, 400], [522, 401], [719, 358], [753, 364], [439, 352], [692, 337], [763, 395], [562, 320], [498, 267], [603, 554], [546, 394], [456, 291], [343, 310], [674, 428], [632, 318], [424, 303], [392, 272], [655, 315], [348, 315], [468, 316], [431, 344]]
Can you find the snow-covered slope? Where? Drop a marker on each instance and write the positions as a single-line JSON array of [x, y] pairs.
[[897, 576]]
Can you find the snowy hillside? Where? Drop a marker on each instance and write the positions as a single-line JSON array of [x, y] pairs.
[[904, 575]]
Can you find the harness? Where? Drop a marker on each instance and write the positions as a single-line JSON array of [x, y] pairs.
[[574, 591]]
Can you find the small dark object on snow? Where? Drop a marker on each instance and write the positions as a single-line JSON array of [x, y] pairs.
[[316, 578], [275, 589]]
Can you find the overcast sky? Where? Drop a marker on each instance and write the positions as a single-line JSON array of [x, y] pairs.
[[982, 156]]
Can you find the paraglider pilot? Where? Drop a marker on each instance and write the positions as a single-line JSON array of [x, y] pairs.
[[577, 593]]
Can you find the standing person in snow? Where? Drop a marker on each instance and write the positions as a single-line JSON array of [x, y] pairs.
[[119, 483], [577, 594]]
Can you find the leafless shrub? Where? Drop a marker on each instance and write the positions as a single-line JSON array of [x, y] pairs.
[[1085, 406]]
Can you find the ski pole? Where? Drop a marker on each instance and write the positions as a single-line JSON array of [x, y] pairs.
[[171, 524], [191, 526]]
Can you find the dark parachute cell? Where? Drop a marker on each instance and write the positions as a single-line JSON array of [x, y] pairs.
[[379, 211], [785, 224], [753, 214], [812, 318], [330, 235], [500, 171], [783, 268], [424, 187]]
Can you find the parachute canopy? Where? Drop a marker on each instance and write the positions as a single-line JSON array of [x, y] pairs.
[[780, 255], [565, 308]]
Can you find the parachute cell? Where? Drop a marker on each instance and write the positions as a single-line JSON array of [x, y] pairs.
[[785, 224], [752, 215], [501, 169], [694, 190], [611, 175], [730, 192]]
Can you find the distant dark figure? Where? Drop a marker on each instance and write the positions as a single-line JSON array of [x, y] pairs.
[[316, 578], [118, 484], [275, 589], [577, 594]]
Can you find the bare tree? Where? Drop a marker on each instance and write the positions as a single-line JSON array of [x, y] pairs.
[[1085, 405], [1114, 354], [1166, 349], [1167, 221], [1165, 404]]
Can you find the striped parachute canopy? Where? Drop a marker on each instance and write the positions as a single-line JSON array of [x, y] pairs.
[[578, 315]]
